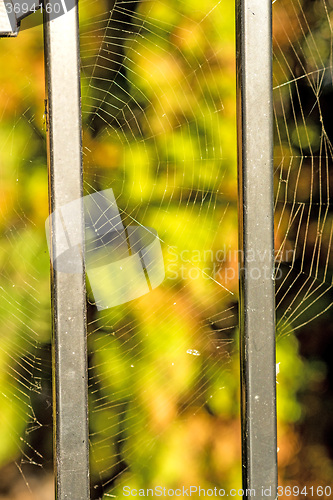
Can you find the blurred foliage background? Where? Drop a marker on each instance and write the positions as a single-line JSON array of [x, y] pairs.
[[159, 128]]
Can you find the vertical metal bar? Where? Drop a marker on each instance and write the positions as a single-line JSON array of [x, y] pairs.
[[61, 38], [256, 230]]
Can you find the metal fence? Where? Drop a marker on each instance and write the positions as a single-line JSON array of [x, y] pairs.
[[256, 232], [257, 311]]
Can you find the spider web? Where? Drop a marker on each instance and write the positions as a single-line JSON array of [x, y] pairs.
[[156, 84], [303, 159], [152, 86], [159, 129]]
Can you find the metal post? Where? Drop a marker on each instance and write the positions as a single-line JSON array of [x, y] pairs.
[[257, 308], [68, 289]]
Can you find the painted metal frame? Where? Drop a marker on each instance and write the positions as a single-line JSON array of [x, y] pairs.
[[256, 230], [70, 386], [68, 289], [256, 242]]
